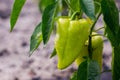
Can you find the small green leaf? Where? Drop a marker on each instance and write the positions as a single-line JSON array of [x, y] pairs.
[[48, 21], [53, 53], [88, 70], [36, 38], [18, 4], [93, 70], [82, 71], [88, 7]]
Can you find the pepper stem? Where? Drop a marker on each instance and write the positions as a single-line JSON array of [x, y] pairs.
[[75, 16], [90, 36]]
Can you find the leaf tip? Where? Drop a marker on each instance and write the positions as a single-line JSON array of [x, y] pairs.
[[11, 30], [30, 53]]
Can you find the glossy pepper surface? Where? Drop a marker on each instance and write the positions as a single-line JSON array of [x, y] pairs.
[[70, 38], [97, 46]]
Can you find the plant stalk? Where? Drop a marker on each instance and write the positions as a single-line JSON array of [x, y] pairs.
[[90, 36]]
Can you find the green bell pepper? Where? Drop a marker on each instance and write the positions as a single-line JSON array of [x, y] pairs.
[[70, 38], [97, 46]]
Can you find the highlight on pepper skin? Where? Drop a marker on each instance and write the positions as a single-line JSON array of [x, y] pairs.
[[70, 38]]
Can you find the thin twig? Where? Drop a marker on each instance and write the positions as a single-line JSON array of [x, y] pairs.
[[106, 71], [98, 35], [99, 29], [90, 37]]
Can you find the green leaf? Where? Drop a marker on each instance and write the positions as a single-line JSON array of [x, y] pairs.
[[74, 76], [111, 36], [48, 21], [44, 3], [116, 63], [111, 18], [97, 0], [97, 7], [94, 70], [53, 53], [88, 7], [89, 70], [18, 4], [36, 38], [75, 5], [82, 71], [118, 35], [111, 15]]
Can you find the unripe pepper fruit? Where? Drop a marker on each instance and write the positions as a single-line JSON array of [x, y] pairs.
[[97, 46], [70, 38]]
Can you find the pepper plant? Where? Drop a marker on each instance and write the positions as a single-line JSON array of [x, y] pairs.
[[76, 38]]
